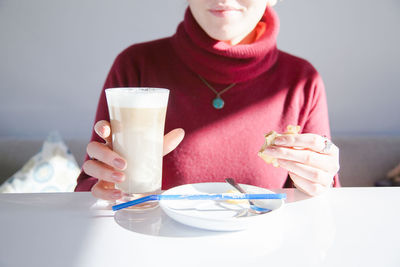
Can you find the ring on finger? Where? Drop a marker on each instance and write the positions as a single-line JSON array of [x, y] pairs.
[[327, 146]]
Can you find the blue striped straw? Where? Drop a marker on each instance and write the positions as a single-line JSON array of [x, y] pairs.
[[197, 197]]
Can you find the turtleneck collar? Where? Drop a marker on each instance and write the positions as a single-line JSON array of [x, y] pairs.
[[220, 62]]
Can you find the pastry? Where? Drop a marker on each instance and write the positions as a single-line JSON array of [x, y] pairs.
[[269, 141]]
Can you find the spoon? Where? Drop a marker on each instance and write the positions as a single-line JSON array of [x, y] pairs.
[[254, 209]]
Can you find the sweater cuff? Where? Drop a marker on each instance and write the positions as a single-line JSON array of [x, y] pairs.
[[85, 182], [336, 182]]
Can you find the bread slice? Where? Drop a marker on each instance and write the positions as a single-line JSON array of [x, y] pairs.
[[270, 140]]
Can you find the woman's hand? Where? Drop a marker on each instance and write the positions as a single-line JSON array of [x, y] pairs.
[[312, 160], [107, 166]]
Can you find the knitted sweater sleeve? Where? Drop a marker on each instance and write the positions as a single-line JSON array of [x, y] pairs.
[[122, 74]]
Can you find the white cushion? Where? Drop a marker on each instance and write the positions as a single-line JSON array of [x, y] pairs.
[[53, 169]]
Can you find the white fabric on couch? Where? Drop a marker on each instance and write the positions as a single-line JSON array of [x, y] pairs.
[[52, 169]]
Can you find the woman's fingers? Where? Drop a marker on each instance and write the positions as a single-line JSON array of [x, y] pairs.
[[102, 171], [313, 175], [106, 165], [310, 188], [309, 141], [172, 140], [103, 129], [324, 162], [311, 160], [106, 190], [103, 153]]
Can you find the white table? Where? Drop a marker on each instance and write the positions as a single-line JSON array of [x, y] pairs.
[[345, 227]]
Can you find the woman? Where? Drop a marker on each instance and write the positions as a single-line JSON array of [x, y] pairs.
[[229, 86]]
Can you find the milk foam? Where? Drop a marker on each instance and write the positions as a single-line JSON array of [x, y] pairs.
[[137, 97]]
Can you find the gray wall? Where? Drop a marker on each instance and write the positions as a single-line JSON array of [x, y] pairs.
[[54, 57]]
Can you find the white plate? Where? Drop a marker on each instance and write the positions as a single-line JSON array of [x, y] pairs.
[[216, 215]]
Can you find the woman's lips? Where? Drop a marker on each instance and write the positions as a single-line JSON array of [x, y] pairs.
[[224, 12]]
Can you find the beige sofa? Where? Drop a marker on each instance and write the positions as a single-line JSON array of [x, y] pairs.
[[363, 159]]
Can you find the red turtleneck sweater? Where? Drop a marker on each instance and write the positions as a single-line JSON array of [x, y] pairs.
[[274, 89]]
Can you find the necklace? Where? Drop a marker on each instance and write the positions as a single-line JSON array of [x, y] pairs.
[[217, 102]]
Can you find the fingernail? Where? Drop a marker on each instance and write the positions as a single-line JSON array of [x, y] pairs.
[[119, 163], [117, 176], [101, 131], [280, 141], [116, 195], [105, 131], [270, 149]]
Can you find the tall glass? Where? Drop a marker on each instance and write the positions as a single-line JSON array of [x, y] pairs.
[[137, 117]]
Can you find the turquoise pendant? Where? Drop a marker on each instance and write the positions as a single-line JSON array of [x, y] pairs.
[[218, 103]]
